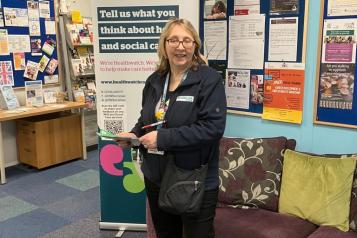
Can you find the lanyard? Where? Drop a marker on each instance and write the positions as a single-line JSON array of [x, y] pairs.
[[184, 76], [162, 106], [163, 98]]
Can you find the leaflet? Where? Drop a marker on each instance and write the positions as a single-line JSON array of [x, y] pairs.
[[108, 135]]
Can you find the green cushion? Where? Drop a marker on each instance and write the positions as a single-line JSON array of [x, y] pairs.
[[317, 188]]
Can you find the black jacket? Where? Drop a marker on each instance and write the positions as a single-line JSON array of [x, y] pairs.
[[194, 125]]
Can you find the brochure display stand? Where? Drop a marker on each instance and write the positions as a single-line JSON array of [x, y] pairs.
[[77, 51], [335, 97]]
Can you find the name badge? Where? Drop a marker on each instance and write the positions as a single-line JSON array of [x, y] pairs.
[[155, 151], [185, 98]]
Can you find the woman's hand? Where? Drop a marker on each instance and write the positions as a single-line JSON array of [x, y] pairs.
[[149, 140], [125, 144], [127, 134]]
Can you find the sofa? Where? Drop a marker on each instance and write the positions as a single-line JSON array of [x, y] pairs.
[[268, 190]]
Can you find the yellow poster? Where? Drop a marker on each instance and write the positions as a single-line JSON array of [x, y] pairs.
[[283, 92], [4, 42], [76, 17]]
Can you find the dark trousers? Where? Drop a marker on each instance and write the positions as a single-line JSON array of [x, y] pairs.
[[173, 226]]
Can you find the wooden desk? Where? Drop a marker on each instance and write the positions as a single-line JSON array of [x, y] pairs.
[[6, 115]]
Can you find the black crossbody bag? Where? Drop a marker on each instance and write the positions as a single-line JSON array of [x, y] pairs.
[[181, 191]]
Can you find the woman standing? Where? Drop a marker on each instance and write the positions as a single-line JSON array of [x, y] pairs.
[[188, 98]]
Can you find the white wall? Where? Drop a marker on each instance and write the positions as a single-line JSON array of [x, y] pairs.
[[85, 6]]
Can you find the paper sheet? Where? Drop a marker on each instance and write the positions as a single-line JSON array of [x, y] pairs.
[[19, 43], [237, 88], [341, 7], [215, 43], [283, 37], [246, 42]]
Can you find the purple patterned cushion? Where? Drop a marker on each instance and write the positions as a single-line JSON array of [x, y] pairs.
[[250, 171]]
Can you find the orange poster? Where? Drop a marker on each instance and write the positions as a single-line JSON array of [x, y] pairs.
[[4, 42], [283, 92], [19, 61]]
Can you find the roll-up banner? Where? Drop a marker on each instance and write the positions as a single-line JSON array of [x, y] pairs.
[[126, 35]]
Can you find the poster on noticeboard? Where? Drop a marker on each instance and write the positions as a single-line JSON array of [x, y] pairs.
[[283, 92]]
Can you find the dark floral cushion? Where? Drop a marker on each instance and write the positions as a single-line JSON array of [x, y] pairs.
[[250, 172]]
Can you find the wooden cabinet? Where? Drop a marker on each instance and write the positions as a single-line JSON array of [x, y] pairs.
[[50, 139]]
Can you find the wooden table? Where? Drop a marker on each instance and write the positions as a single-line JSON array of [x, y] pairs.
[[6, 115]]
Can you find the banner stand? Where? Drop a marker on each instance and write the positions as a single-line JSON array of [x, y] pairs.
[[126, 36], [122, 189], [122, 227]]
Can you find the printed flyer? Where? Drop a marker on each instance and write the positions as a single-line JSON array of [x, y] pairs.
[[6, 73], [34, 93], [336, 86], [43, 63], [341, 8], [283, 92], [31, 70], [339, 41], [52, 66], [36, 47], [256, 89], [16, 17], [19, 61], [279, 7], [237, 88]]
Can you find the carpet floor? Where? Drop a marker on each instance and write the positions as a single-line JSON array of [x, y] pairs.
[[57, 202]]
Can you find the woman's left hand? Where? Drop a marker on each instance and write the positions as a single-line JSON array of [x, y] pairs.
[[149, 140]]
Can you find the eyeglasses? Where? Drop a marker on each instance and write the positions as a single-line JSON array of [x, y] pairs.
[[187, 43]]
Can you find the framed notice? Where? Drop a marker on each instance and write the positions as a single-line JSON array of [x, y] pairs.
[[242, 36], [335, 96], [25, 37]]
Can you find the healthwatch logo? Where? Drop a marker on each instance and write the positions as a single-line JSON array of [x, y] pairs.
[[111, 159]]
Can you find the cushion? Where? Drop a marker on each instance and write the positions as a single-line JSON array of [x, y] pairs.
[[259, 223], [317, 188], [331, 232], [249, 172], [353, 205]]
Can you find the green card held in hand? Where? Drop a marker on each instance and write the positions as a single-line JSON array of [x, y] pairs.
[[108, 135]]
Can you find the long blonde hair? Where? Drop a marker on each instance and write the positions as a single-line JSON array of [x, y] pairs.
[[164, 65]]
